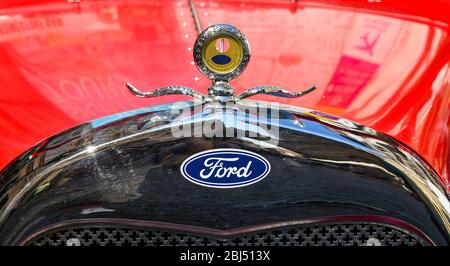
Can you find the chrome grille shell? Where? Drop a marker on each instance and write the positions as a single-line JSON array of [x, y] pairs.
[[127, 166]]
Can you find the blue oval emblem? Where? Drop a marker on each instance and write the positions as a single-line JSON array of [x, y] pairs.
[[221, 59], [225, 168]]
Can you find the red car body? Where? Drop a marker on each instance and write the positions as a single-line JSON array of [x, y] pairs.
[[383, 64]]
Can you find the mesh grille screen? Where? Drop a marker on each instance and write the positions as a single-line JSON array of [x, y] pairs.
[[318, 235]]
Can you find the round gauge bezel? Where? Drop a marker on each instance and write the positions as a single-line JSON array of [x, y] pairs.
[[212, 32]]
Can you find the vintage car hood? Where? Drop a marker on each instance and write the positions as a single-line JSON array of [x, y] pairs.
[[383, 66]]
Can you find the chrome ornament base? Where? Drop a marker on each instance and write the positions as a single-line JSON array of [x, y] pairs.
[[220, 92]]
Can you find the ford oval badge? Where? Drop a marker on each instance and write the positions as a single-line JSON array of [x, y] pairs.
[[225, 168]]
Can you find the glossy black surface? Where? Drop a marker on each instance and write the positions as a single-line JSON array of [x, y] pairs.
[[127, 166]]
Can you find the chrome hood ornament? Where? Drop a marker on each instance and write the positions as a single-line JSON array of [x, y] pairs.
[[221, 53]]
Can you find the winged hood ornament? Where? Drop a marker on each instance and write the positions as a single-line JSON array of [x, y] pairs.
[[221, 53]]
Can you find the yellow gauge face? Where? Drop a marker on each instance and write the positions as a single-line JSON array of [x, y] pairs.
[[222, 54]]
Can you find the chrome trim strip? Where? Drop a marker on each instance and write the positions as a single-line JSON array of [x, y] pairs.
[[198, 26]]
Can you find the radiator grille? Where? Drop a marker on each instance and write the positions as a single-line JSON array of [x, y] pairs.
[[317, 235]]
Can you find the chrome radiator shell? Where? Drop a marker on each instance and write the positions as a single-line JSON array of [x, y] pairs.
[[127, 166]]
